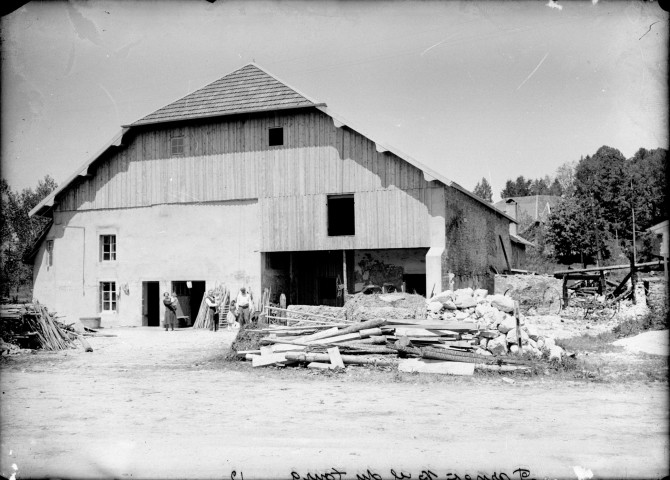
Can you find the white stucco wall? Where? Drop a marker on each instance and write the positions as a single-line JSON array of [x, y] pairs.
[[217, 242]]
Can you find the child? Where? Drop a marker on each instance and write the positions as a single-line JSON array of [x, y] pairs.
[[231, 318]]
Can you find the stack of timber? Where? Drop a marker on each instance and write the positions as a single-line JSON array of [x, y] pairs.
[[33, 325], [427, 345], [222, 296]]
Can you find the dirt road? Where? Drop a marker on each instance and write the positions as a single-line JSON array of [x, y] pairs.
[[155, 404]]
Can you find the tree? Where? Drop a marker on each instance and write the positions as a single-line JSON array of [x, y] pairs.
[[565, 176], [556, 188], [18, 231], [518, 188], [483, 190], [576, 232]]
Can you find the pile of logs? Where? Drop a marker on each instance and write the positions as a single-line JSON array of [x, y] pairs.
[[34, 320], [424, 345]]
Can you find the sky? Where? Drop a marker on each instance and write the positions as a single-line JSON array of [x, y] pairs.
[[470, 89]]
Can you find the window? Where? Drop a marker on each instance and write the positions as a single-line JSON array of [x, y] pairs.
[[276, 136], [50, 253], [341, 219], [108, 296], [176, 146], [107, 248]]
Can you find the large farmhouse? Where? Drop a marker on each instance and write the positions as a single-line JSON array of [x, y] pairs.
[[249, 182]]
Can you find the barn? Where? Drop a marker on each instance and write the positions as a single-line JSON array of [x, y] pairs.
[[247, 181]]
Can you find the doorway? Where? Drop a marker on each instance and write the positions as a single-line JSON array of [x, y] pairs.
[[189, 297], [151, 304]]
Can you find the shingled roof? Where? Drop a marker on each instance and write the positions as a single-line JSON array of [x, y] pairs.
[[248, 89]]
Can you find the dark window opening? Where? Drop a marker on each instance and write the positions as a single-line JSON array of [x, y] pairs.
[[277, 260], [341, 220], [177, 146], [276, 136], [327, 287]]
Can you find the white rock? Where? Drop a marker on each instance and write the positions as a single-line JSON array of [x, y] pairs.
[[540, 343], [465, 302], [483, 342], [532, 342], [556, 352], [448, 315], [511, 337], [527, 349], [498, 345], [509, 323], [502, 303], [513, 349], [549, 343], [480, 292], [460, 315], [434, 307], [449, 305], [465, 292], [447, 295], [532, 332]]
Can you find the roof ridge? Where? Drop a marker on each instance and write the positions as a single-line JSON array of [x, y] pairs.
[[218, 97]]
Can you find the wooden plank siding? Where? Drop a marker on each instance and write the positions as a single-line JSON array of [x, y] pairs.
[[229, 159]]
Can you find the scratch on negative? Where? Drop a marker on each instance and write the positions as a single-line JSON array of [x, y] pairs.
[[438, 43], [649, 29], [534, 70]]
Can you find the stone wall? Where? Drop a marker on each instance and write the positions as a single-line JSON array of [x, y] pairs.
[[473, 245], [656, 289]]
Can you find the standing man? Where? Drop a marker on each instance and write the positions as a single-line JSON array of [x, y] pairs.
[[243, 303]]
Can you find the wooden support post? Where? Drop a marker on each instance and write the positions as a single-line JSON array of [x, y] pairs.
[[665, 268], [566, 300], [518, 324], [633, 278], [602, 287], [344, 271]]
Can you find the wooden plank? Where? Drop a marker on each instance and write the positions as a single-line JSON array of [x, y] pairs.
[[422, 332], [435, 366], [271, 359], [335, 358], [606, 268], [266, 350]]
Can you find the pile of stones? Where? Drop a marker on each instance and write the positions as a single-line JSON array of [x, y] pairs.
[[493, 315]]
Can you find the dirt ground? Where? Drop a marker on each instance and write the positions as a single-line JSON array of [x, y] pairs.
[[154, 404]]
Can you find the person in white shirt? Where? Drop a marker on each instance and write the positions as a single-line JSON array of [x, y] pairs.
[[243, 303]]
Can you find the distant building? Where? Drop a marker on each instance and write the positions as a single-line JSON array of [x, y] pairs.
[[661, 232]]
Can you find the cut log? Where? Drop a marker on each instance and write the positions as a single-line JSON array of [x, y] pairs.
[[320, 366], [346, 359], [85, 344], [335, 358], [500, 368], [435, 366]]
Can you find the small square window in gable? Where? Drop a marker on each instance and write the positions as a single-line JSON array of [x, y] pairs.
[[177, 146], [276, 137]]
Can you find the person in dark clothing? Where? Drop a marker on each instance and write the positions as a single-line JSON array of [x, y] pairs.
[[212, 305], [170, 303]]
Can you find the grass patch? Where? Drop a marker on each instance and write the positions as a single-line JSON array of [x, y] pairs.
[[245, 340], [589, 343]]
